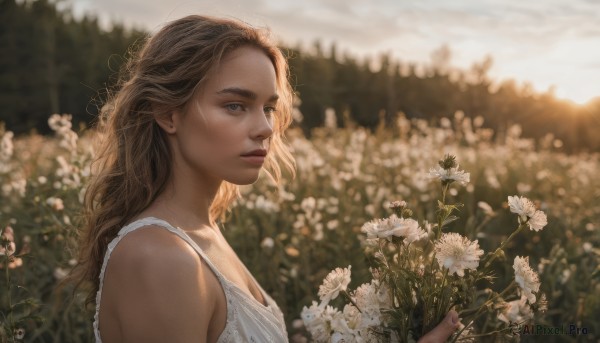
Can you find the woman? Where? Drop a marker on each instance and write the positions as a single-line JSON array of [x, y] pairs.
[[204, 109]]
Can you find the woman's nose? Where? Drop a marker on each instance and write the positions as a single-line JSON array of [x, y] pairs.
[[263, 128]]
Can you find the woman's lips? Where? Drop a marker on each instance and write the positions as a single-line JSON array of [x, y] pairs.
[[254, 159]]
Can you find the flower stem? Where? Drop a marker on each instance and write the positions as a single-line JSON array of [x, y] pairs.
[[444, 190], [489, 301], [11, 324], [442, 212], [444, 277], [488, 333], [351, 301], [442, 290], [495, 254]]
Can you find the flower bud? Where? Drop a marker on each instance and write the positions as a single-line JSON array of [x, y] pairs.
[[448, 162], [397, 204], [406, 213]]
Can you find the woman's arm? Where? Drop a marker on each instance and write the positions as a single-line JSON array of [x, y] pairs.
[[165, 293]]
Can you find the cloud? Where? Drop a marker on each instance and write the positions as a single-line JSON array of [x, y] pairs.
[[527, 39]]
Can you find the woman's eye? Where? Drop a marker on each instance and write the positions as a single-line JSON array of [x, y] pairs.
[[234, 107], [270, 110]]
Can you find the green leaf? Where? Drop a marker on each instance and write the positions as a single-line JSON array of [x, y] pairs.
[[449, 220]]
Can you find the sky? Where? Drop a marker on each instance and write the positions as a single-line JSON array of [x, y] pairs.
[[550, 44]]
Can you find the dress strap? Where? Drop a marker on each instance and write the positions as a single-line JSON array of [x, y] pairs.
[[176, 230], [132, 227]]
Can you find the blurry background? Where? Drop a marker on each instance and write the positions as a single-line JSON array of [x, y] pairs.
[[532, 63]]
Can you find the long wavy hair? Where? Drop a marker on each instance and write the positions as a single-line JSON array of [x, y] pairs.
[[133, 161]]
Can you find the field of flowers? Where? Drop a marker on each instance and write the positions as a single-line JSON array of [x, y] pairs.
[[292, 236]]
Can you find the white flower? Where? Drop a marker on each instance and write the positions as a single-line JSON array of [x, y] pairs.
[[450, 175], [526, 278], [375, 228], [516, 311], [371, 298], [267, 243], [521, 206], [311, 314], [68, 172], [19, 333], [394, 226], [18, 186], [467, 335], [266, 205], [337, 280], [60, 273], [8, 250], [397, 204], [457, 253], [537, 221], [60, 123], [352, 316], [367, 300], [69, 140], [345, 337], [6, 146], [336, 319], [405, 227], [384, 294], [308, 204], [56, 203], [62, 126], [315, 323], [566, 274], [330, 119], [9, 247], [332, 224]]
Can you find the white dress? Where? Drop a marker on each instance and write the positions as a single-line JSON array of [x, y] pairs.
[[248, 320]]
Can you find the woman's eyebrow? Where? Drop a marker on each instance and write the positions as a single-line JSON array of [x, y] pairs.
[[244, 93]]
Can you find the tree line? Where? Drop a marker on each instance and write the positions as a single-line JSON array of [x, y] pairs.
[[51, 62]]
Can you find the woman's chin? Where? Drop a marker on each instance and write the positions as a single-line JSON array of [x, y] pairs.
[[244, 180]]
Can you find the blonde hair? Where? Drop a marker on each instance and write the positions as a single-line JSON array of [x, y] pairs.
[[133, 162]]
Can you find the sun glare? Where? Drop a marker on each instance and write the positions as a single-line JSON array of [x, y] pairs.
[[577, 96]]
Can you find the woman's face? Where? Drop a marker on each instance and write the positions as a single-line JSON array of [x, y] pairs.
[[230, 116]]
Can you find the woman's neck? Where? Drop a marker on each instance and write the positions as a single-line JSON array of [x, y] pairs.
[[186, 204]]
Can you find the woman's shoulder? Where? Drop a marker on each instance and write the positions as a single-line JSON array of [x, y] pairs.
[[152, 246], [152, 253], [157, 277]]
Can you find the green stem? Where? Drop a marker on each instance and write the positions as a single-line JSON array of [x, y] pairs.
[[440, 303], [444, 277], [484, 305], [444, 190], [488, 333], [440, 219], [495, 254], [351, 301], [11, 324], [442, 288]]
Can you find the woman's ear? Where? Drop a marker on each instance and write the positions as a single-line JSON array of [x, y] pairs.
[[167, 121]]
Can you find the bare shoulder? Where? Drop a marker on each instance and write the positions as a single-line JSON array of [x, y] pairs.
[[152, 248], [161, 289]]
